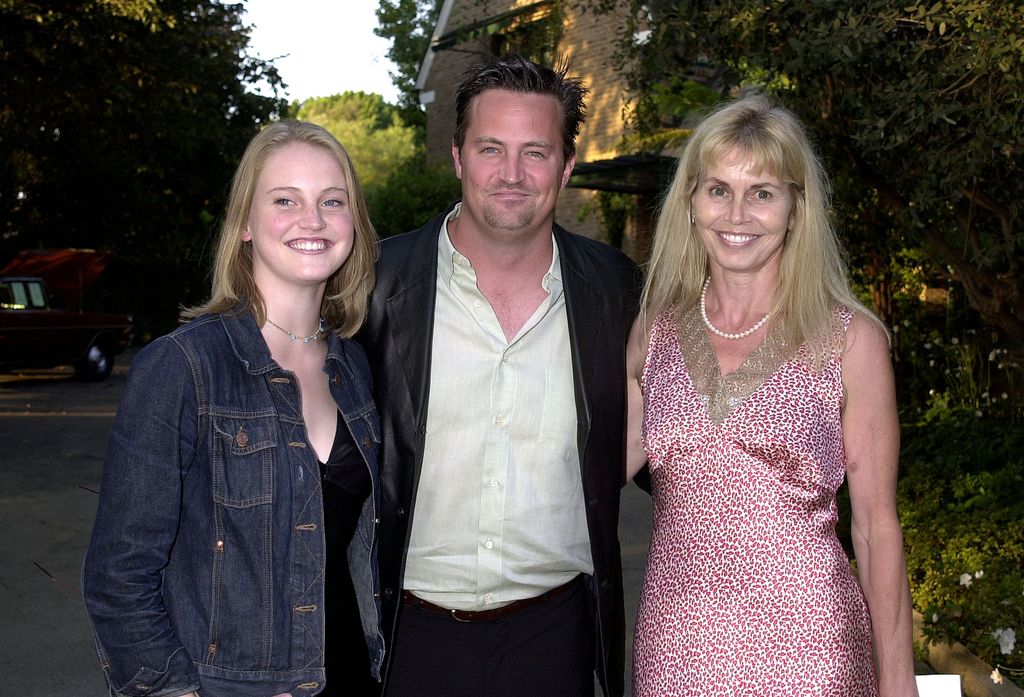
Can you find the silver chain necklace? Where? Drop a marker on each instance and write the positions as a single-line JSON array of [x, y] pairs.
[[295, 337], [716, 330]]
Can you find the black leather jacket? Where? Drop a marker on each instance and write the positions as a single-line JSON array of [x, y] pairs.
[[602, 289]]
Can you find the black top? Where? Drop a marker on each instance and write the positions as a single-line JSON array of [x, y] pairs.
[[346, 484]]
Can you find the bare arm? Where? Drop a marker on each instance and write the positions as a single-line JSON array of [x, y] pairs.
[[636, 355], [871, 439]]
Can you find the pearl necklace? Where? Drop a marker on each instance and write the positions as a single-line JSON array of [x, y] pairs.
[[295, 337], [716, 330]]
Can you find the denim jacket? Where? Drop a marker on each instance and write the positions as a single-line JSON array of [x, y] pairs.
[[206, 565]]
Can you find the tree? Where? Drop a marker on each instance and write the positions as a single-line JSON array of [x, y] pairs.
[[402, 187], [371, 130], [918, 108], [120, 127], [409, 25]]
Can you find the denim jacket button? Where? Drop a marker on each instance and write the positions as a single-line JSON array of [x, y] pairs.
[[220, 545], [367, 443], [242, 438]]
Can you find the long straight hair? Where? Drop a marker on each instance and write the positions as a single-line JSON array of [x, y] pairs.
[[813, 276], [348, 289]]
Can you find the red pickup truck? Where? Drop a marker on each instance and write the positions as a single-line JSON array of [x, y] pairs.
[[34, 334]]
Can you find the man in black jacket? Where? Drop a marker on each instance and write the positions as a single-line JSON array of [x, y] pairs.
[[497, 341]]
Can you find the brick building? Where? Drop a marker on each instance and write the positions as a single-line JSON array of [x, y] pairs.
[[468, 30]]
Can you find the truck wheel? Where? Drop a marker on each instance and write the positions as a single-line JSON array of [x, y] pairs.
[[96, 365]]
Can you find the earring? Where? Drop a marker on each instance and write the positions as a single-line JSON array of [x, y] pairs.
[[693, 221]]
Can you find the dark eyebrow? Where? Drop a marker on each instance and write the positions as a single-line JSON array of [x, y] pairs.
[[529, 144]]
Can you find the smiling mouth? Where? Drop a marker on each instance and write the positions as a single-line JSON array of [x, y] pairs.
[[309, 245], [735, 238]]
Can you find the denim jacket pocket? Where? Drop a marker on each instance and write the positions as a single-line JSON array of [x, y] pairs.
[[243, 460]]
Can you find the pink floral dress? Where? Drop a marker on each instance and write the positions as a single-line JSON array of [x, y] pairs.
[[747, 590]]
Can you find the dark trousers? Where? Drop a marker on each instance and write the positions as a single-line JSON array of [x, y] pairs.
[[547, 650]]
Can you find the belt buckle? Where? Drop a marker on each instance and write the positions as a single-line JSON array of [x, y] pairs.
[[455, 616]]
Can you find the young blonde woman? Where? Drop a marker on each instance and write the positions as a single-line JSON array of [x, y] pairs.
[[242, 464]]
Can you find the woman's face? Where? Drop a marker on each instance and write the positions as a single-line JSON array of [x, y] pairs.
[[300, 223], [742, 216]]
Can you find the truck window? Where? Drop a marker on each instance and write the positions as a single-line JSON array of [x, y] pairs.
[[38, 295], [20, 296]]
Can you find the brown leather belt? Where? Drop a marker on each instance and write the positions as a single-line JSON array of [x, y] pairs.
[[490, 615]]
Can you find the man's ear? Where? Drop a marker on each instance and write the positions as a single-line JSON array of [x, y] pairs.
[[457, 160], [567, 172]]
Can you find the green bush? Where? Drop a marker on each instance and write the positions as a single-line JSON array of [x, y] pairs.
[[962, 510]]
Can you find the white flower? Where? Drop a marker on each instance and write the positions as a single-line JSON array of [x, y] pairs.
[[978, 413], [992, 355], [966, 580], [935, 617], [928, 345], [1007, 638], [997, 677], [931, 364], [1005, 396], [954, 341], [979, 573]]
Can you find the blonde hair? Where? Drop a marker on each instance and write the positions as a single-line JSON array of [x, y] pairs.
[[812, 273], [348, 289]]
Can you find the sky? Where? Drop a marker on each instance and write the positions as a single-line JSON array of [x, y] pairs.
[[322, 47]]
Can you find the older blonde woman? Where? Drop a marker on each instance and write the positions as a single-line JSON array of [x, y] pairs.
[[758, 383], [242, 463]]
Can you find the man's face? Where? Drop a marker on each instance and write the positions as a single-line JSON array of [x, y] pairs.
[[511, 163]]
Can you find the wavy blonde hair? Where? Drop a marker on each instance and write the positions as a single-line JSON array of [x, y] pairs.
[[812, 274], [348, 289]]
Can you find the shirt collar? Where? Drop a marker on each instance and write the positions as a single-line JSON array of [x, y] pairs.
[[449, 258]]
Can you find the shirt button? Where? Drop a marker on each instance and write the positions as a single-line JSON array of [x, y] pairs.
[[493, 482], [477, 303], [489, 543], [487, 597], [500, 421]]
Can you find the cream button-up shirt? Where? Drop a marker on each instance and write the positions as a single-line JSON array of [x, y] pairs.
[[499, 512]]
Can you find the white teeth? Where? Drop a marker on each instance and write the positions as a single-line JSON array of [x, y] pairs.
[[738, 239], [308, 245]]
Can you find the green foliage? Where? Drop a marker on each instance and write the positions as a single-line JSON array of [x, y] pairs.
[[403, 188], [409, 25], [963, 523], [371, 130], [616, 210], [918, 108], [120, 127], [413, 193]]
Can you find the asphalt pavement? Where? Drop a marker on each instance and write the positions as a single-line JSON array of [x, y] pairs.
[[53, 436]]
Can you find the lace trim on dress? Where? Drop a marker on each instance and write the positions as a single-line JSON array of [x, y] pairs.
[[723, 393]]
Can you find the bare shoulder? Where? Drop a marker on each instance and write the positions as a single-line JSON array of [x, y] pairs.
[[866, 353]]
